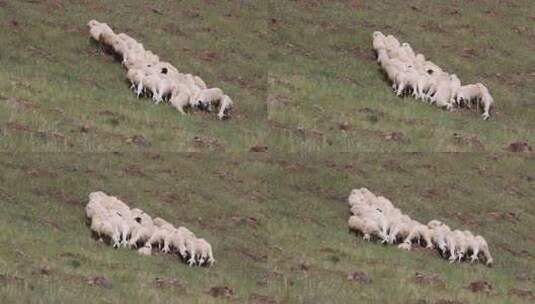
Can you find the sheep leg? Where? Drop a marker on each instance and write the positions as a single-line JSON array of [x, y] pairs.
[[139, 88], [166, 245], [475, 253], [401, 88], [211, 259], [191, 260], [486, 113]]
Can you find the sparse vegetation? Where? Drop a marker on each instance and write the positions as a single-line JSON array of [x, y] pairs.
[[306, 88], [327, 93]]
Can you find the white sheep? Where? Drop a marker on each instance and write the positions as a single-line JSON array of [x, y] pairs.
[[391, 42], [487, 100], [224, 107], [147, 72], [479, 244], [96, 29], [206, 98], [419, 231], [182, 98], [204, 252], [366, 226], [379, 41]]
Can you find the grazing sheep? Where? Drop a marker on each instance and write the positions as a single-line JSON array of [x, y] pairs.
[[112, 219], [419, 231], [181, 98], [224, 107], [479, 245], [411, 72], [206, 98], [487, 100], [366, 226], [204, 252], [379, 41], [377, 216], [157, 79]]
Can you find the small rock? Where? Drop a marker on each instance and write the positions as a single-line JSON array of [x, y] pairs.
[[519, 146], [431, 278], [359, 277], [221, 292], [261, 299], [43, 270], [167, 283], [259, 148], [345, 126], [139, 140], [480, 286], [99, 281], [85, 128], [523, 293], [304, 266], [395, 136]]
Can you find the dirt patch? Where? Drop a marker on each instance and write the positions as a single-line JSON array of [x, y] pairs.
[[445, 301], [522, 293], [205, 142], [397, 137], [504, 216], [68, 199], [261, 299], [99, 281], [259, 148], [468, 53], [6, 279], [167, 283], [277, 100], [251, 256], [519, 147], [364, 54], [42, 270], [428, 279], [18, 127], [18, 103], [134, 170], [480, 286], [359, 277], [245, 220], [209, 56], [430, 26], [468, 140], [221, 292], [37, 172]]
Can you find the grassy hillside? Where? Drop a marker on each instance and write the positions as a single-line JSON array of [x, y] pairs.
[[326, 92], [277, 224], [47, 254], [58, 93]]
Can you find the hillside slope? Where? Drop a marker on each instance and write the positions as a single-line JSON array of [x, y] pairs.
[[277, 225], [326, 92], [59, 93]]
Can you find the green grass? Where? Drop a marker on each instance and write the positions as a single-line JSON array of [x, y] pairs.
[[305, 84], [49, 61], [324, 74], [295, 248]]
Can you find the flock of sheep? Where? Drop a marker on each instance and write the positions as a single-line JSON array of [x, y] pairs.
[[372, 215], [113, 220], [376, 216], [151, 77], [411, 73]]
